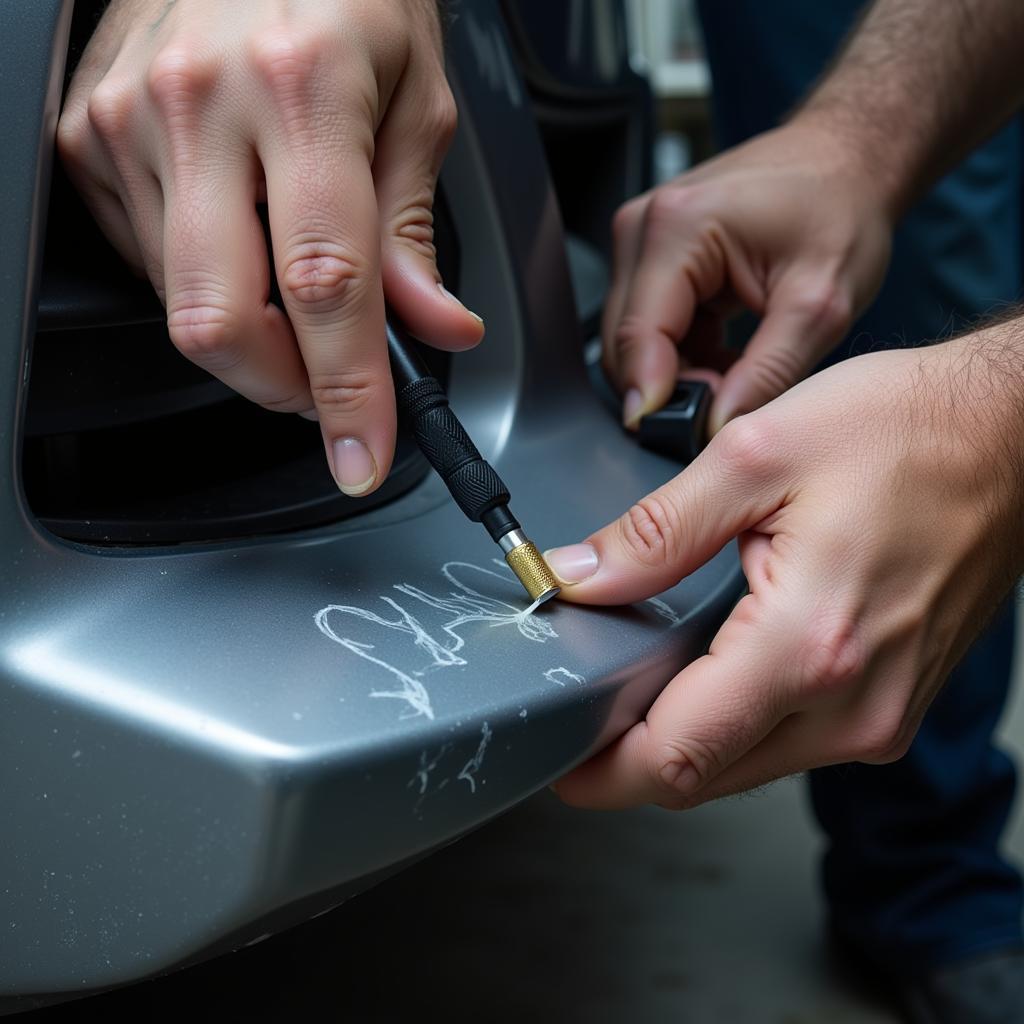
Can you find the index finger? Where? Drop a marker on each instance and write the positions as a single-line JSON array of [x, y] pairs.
[[678, 266]]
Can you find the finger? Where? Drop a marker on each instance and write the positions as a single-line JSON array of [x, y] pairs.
[[661, 298], [326, 240], [217, 278], [707, 718], [114, 116], [109, 213], [215, 271], [627, 235], [805, 317], [816, 739], [730, 487], [796, 744], [680, 266], [410, 146], [97, 182]]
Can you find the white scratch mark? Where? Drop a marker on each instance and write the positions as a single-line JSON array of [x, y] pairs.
[[474, 764], [464, 605], [665, 611], [561, 676], [422, 776]]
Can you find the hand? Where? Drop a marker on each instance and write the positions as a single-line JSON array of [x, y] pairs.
[[185, 114], [878, 510], [788, 225]]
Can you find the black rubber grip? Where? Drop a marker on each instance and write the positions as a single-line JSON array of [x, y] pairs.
[[474, 484]]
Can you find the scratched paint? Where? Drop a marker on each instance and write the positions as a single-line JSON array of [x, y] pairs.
[[469, 770], [560, 676], [421, 778], [668, 613], [441, 647]]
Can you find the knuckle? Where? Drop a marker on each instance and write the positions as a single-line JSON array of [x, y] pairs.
[[443, 118], [747, 446], [286, 57], [629, 336], [626, 219], [320, 277], [110, 109], [73, 138], [343, 391], [683, 766], [205, 334], [883, 739], [178, 75], [831, 659], [290, 403], [650, 530], [826, 305], [414, 227], [674, 204]]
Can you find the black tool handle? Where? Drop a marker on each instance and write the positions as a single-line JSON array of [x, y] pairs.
[[473, 483]]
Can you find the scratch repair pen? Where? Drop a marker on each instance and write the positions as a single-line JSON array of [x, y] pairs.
[[473, 483]]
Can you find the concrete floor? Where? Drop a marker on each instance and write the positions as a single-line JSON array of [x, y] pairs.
[[552, 915]]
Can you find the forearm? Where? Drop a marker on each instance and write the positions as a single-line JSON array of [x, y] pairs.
[[918, 84], [980, 377]]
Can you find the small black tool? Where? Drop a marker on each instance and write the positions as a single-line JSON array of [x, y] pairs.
[[678, 428], [473, 482]]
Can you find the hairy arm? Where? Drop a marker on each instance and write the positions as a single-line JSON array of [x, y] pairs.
[[795, 224], [919, 84]]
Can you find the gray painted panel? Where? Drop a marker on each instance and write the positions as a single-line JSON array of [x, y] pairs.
[[185, 750]]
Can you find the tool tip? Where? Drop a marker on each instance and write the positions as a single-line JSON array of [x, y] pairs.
[[532, 571]]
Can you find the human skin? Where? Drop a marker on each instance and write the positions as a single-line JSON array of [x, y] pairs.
[[878, 507], [184, 115], [795, 224], [878, 504]]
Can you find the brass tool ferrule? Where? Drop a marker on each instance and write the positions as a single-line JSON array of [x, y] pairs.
[[532, 571]]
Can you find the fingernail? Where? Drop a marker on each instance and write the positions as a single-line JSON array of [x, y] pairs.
[[354, 468], [310, 414], [681, 776], [574, 563], [632, 407], [448, 295]]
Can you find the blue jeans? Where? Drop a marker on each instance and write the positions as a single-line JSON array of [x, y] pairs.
[[912, 873]]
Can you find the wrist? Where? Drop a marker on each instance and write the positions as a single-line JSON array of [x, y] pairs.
[[975, 389], [882, 176]]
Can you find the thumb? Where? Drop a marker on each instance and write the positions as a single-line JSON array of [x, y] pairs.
[[730, 487], [409, 148], [804, 319]]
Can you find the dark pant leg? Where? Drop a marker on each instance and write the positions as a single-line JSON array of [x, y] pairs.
[[913, 874]]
